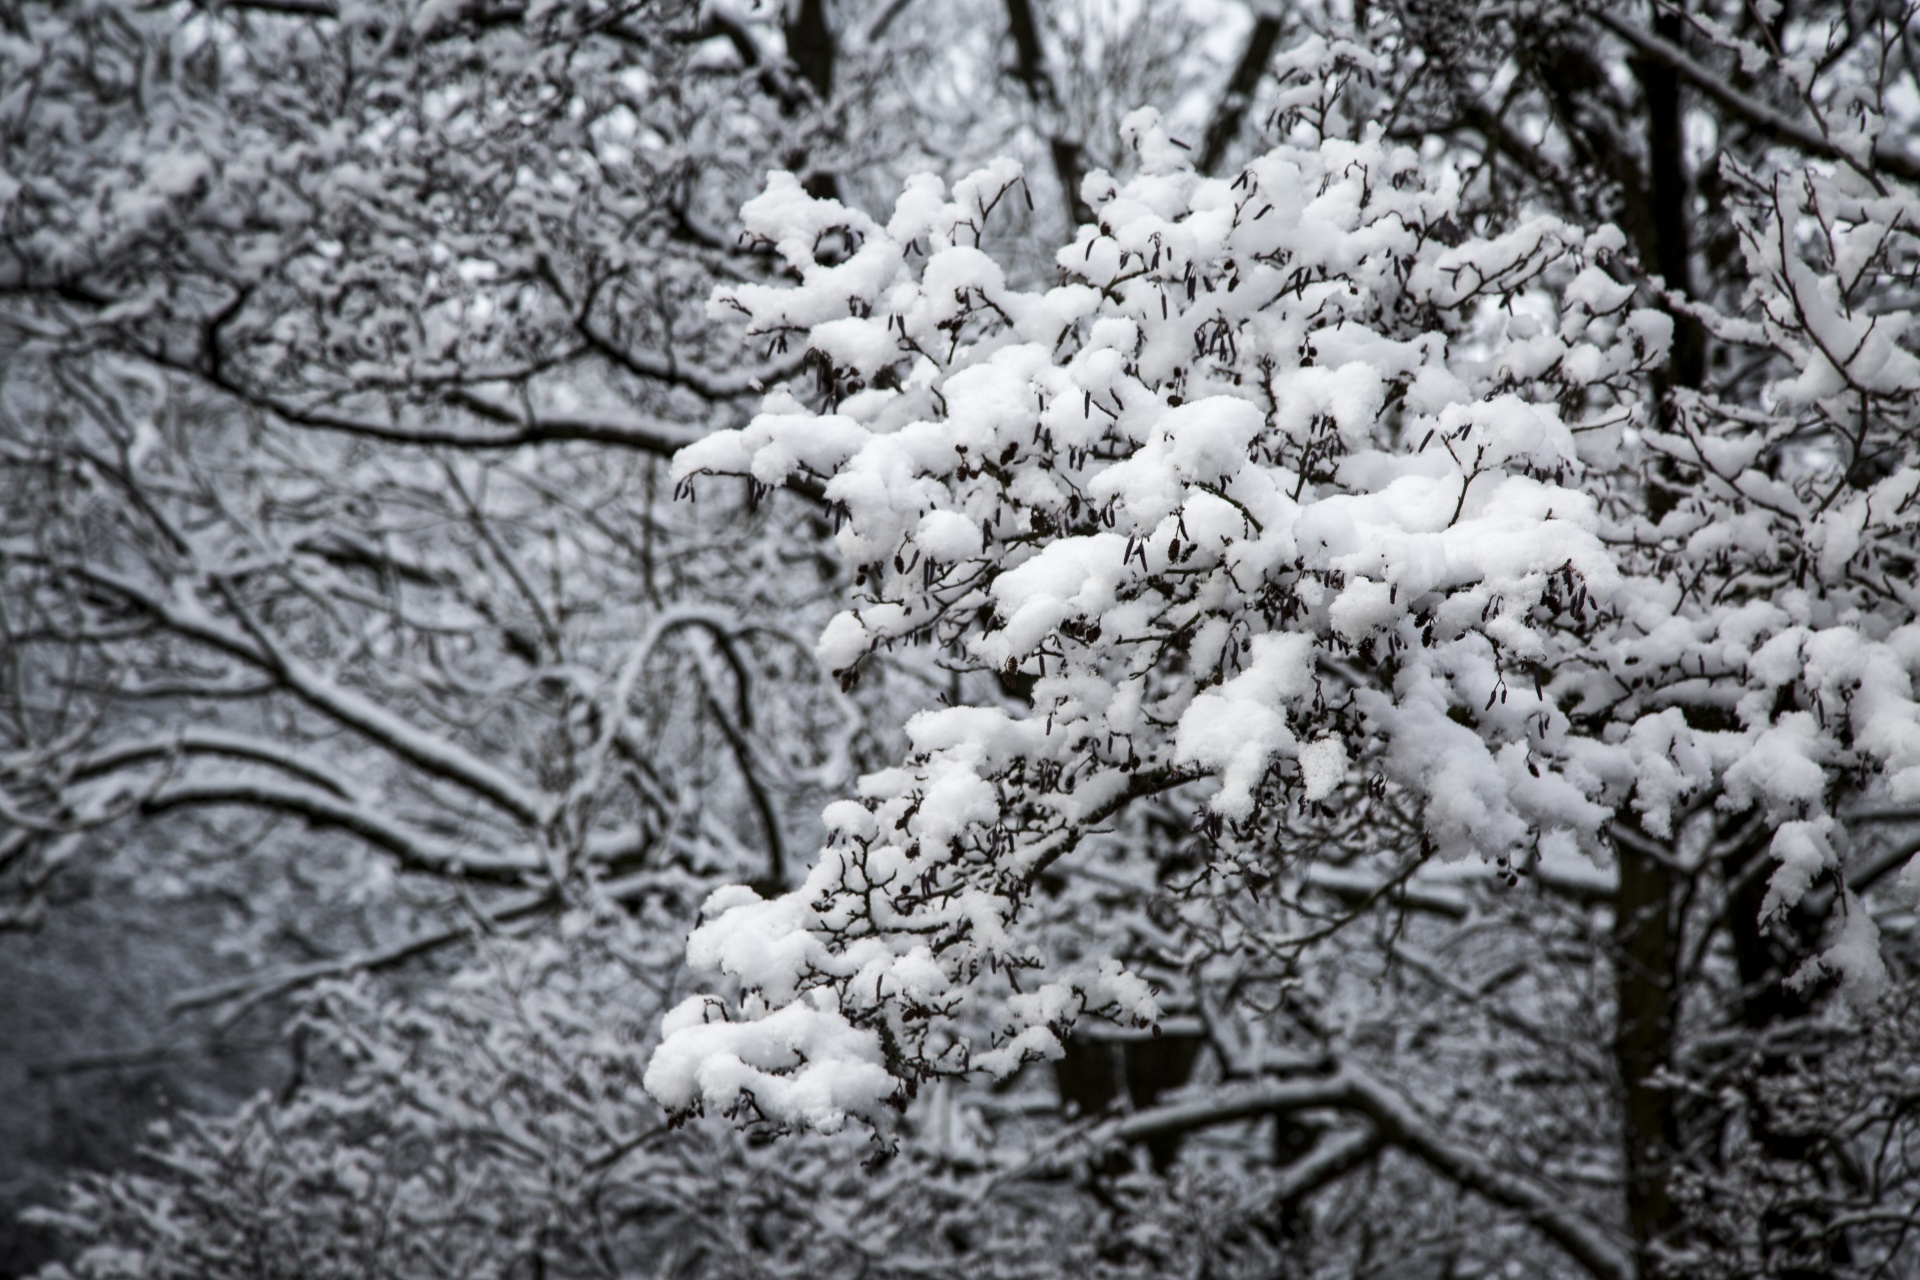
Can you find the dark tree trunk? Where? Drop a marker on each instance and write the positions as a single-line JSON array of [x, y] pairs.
[[811, 50], [1030, 68], [1646, 950], [1797, 1231], [1232, 111]]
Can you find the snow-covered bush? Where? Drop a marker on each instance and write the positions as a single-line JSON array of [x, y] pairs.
[[489, 1130], [485, 1130], [1292, 493]]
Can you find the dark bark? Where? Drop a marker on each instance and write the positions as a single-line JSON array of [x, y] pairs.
[[1647, 921], [1797, 1231], [1095, 1073], [1030, 68], [1646, 935], [1670, 200], [810, 48], [1232, 111]]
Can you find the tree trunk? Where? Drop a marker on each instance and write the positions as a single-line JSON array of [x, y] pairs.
[[1646, 948]]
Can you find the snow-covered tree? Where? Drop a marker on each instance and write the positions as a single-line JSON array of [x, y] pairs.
[[1373, 535]]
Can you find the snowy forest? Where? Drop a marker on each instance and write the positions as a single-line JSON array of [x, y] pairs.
[[989, 638]]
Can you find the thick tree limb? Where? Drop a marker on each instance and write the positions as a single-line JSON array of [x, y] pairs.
[[206, 742], [516, 429], [1543, 1208], [242, 994]]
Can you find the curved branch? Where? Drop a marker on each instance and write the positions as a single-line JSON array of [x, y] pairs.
[[237, 995], [324, 810], [516, 431], [206, 742]]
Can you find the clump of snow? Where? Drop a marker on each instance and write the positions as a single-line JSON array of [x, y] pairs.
[[801, 1063]]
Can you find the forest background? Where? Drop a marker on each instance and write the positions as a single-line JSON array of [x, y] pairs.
[[380, 701]]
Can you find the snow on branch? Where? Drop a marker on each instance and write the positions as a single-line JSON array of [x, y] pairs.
[[1289, 494]]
